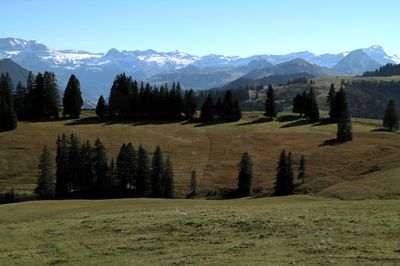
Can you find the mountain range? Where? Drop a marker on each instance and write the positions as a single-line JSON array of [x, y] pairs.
[[96, 71]]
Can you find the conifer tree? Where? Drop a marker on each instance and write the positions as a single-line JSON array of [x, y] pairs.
[[20, 97], [338, 105], [391, 118], [270, 109], [168, 180], [331, 102], [121, 171], [85, 182], [30, 96], [157, 169], [143, 183], [72, 101], [101, 107], [62, 169], [207, 109], [100, 169], [245, 175], [284, 177], [302, 169], [312, 110], [193, 184], [299, 104], [344, 126], [237, 112], [290, 175], [131, 165], [74, 163], [8, 117], [190, 104], [51, 99], [45, 179]]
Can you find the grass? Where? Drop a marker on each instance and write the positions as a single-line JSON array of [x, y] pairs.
[[300, 230], [347, 171]]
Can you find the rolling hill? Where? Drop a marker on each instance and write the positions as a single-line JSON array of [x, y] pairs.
[[17, 73]]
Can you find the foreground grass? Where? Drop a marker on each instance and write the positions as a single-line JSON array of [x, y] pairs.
[[300, 230]]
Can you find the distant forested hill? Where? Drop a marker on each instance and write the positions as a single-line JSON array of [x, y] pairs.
[[384, 71]]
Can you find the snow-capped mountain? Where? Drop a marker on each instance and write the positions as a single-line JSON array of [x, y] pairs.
[[96, 71]]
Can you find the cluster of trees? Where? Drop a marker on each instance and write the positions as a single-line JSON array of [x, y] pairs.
[[83, 171], [306, 104], [8, 118], [284, 184], [129, 99], [391, 118], [384, 71], [227, 109]]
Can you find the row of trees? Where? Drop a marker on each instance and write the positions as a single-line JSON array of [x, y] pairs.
[[129, 99], [83, 171], [226, 109], [306, 104], [8, 118], [284, 184]]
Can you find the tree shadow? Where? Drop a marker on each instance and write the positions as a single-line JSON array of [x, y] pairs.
[[323, 122], [112, 121], [211, 123], [289, 118], [382, 129], [296, 123], [257, 121], [332, 142]]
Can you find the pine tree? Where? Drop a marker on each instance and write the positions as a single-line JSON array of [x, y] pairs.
[[121, 170], [284, 177], [157, 169], [270, 109], [101, 107], [72, 101], [331, 102], [131, 165], [62, 178], [312, 110], [74, 163], [237, 112], [190, 104], [302, 169], [45, 179], [245, 175], [391, 118], [30, 83], [8, 117], [101, 176], [168, 180], [207, 109], [51, 99], [290, 185], [344, 127], [193, 184], [20, 97], [338, 105], [85, 180], [143, 183], [299, 104]]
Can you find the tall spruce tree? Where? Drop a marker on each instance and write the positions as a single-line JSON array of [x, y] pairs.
[[190, 104], [20, 99], [207, 109], [101, 107], [143, 183], [121, 170], [284, 177], [331, 102], [85, 184], [131, 165], [193, 184], [290, 175], [302, 169], [101, 175], [62, 170], [74, 163], [245, 175], [8, 117], [168, 180], [299, 104], [72, 101], [51, 99], [45, 180], [157, 169], [344, 126], [270, 109], [312, 109], [391, 118]]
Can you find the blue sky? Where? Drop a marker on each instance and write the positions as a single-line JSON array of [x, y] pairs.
[[229, 27]]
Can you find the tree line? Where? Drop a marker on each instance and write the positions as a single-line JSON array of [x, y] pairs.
[[384, 71], [226, 108], [83, 171]]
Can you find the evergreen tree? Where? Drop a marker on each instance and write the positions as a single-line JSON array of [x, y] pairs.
[[299, 104], [193, 184], [8, 117], [157, 169], [74, 163], [45, 179], [338, 105], [50, 96], [284, 177], [302, 169], [85, 180], [270, 109], [331, 102], [121, 96], [121, 171], [72, 101], [245, 175], [131, 166], [101, 107], [344, 127], [168, 180], [30, 83], [100, 170], [312, 110], [62, 170], [207, 109], [143, 183], [391, 118], [190, 104], [237, 112], [20, 97]]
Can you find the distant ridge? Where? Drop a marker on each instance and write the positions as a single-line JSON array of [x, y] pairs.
[[17, 72]]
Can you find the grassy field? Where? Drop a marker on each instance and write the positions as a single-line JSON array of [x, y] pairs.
[[301, 230], [368, 167]]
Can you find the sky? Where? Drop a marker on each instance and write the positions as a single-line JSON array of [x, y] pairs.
[[228, 27]]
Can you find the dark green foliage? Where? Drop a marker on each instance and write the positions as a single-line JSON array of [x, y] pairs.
[[131, 165], [62, 178], [143, 182], [311, 110], [193, 184], [45, 180], [121, 171], [74, 163], [168, 180], [228, 109], [86, 171], [20, 100], [101, 107], [8, 117], [384, 71], [72, 101], [338, 105], [391, 118], [44, 97], [284, 177], [302, 169], [344, 127], [245, 175], [101, 178], [190, 104], [299, 103], [270, 108], [123, 96], [331, 102], [157, 169], [208, 109]]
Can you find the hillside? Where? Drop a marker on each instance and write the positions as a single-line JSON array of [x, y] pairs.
[[356, 63], [299, 230], [17, 73], [367, 167]]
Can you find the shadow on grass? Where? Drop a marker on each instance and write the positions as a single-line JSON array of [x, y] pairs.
[[113, 121], [296, 123], [323, 122], [289, 118], [257, 121], [332, 142], [382, 129]]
